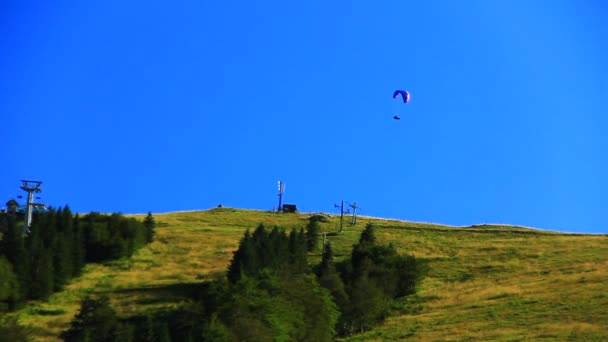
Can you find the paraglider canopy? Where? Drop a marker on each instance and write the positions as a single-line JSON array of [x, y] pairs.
[[404, 94]]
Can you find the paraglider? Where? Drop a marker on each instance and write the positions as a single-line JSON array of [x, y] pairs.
[[404, 95]]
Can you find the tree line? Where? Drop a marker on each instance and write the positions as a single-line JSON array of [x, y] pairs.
[[36, 264], [270, 293]]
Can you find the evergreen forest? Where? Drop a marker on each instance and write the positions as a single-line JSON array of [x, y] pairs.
[[270, 293]]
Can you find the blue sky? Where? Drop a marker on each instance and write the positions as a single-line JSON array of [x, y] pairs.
[[159, 106]]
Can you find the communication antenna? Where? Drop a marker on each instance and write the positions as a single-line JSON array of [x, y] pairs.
[[30, 186], [281, 191]]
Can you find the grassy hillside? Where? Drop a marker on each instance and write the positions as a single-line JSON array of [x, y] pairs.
[[484, 282]]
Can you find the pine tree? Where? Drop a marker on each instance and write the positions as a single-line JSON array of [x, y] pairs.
[[10, 330], [262, 247], [46, 223], [368, 235], [361, 257], [163, 333], [40, 244], [13, 247], [244, 261], [367, 305], [330, 279], [78, 249], [147, 333], [65, 252], [9, 284], [124, 332], [378, 274], [43, 280], [60, 247], [214, 330], [312, 234], [150, 225], [62, 260], [279, 249], [95, 321], [297, 251], [327, 259]]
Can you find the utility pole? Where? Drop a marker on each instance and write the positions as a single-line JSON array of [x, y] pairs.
[[30, 187], [281, 191], [354, 206]]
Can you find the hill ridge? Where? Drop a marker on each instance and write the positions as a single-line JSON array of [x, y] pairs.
[[481, 284]]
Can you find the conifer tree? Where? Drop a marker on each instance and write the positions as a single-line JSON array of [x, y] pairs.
[[60, 248], [377, 274], [297, 251], [327, 260], [330, 279], [9, 285], [62, 261], [150, 225], [124, 332], [43, 280], [244, 260], [163, 333], [367, 305], [368, 235], [78, 251], [13, 247], [262, 247], [95, 321], [279, 248], [64, 250], [46, 224], [153, 329], [148, 332], [67, 219], [10, 330], [214, 330], [312, 234]]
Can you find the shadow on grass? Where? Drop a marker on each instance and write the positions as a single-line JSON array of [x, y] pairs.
[[170, 293]]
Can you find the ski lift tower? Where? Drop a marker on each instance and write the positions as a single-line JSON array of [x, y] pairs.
[[342, 212], [354, 206], [29, 186]]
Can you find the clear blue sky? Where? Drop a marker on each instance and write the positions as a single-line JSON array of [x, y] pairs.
[[137, 106]]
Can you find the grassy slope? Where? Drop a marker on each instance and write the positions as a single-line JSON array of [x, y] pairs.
[[486, 282]]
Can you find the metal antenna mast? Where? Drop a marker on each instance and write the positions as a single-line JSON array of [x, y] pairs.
[[30, 186], [281, 191]]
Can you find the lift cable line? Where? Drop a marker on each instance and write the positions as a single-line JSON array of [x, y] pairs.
[[30, 186]]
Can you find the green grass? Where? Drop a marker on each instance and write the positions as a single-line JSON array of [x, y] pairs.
[[483, 282]]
